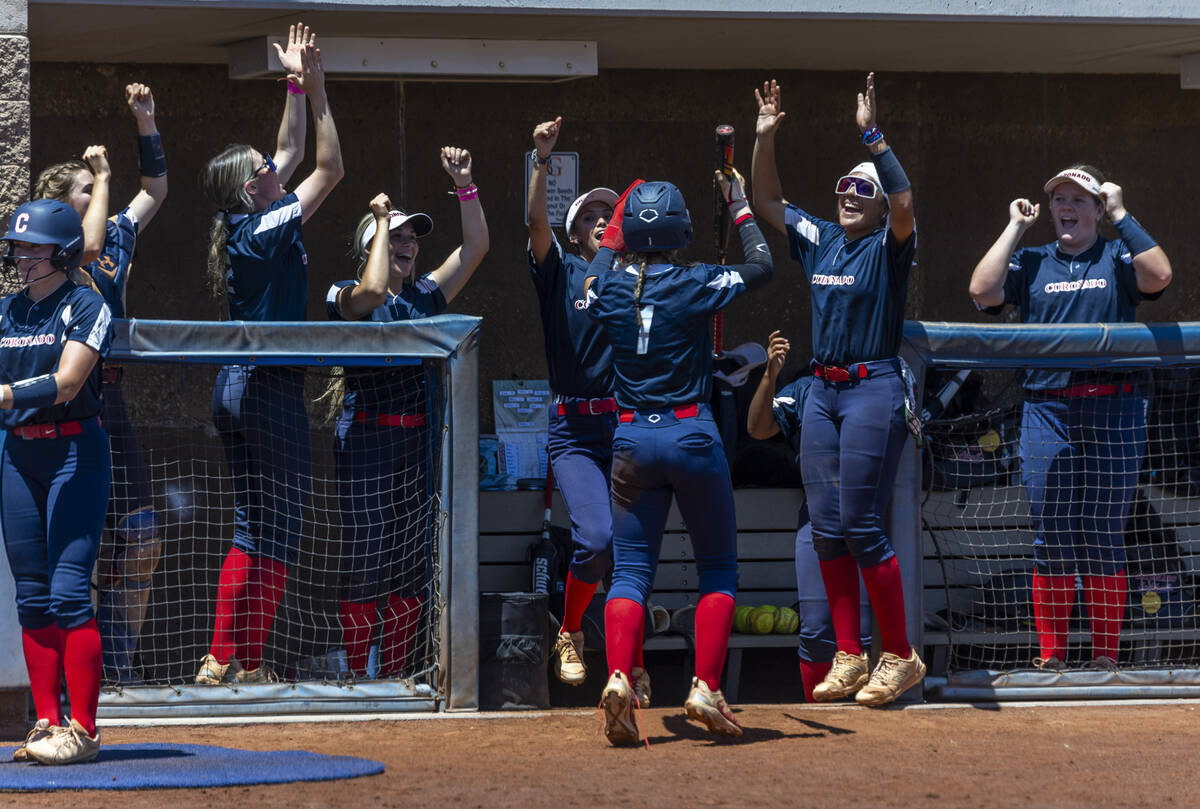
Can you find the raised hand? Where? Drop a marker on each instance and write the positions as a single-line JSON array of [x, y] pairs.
[[777, 351], [140, 100], [457, 163], [299, 38], [545, 135], [381, 207], [1023, 213], [96, 159], [865, 116], [1114, 203], [770, 108]]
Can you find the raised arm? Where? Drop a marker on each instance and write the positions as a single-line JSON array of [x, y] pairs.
[[152, 162], [358, 300], [987, 281], [313, 190], [96, 215], [757, 266], [456, 270], [541, 236], [901, 220], [760, 421], [768, 193], [289, 143], [1150, 262]]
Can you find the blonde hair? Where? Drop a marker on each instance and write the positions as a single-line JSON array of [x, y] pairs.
[[356, 249], [55, 181], [223, 182]]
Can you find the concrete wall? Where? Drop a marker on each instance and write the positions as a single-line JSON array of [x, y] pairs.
[[970, 143]]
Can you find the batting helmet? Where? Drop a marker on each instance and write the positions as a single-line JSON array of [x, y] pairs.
[[48, 221], [656, 218]]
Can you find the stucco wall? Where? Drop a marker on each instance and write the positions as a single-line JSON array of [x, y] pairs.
[[970, 143]]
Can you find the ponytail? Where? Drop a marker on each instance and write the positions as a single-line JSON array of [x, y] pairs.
[[223, 182], [218, 256], [637, 291]]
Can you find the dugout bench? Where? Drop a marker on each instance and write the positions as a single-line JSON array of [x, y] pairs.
[[509, 522]]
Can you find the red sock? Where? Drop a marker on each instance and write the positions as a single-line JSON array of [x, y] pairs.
[[624, 623], [400, 623], [887, 602], [1106, 610], [811, 674], [358, 625], [231, 604], [639, 661], [81, 663], [578, 595], [714, 622], [43, 658], [264, 594], [841, 589], [1053, 597]]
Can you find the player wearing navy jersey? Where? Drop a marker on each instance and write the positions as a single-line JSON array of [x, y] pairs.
[[382, 440], [583, 415], [54, 472], [129, 557], [854, 420], [770, 413], [256, 256], [1082, 433], [655, 312]]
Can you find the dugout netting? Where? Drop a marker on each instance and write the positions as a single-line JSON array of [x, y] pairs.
[[1098, 491], [363, 505]]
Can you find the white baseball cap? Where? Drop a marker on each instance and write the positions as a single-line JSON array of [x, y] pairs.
[[1078, 176], [605, 195], [422, 226]]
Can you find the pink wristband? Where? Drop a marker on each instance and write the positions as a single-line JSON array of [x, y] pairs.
[[294, 89], [467, 193]]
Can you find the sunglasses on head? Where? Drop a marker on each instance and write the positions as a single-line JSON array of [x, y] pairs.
[[268, 164], [862, 187]]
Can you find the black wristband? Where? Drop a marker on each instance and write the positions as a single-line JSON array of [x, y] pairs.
[[150, 156], [34, 393]]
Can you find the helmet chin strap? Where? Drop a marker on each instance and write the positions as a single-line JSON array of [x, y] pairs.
[[53, 269]]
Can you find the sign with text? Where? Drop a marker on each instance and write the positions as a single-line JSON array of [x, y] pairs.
[[562, 185]]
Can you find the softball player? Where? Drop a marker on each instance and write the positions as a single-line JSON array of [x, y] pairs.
[[256, 256], [54, 472], [583, 415], [769, 414], [854, 420], [128, 564], [655, 313], [1082, 432], [382, 441]]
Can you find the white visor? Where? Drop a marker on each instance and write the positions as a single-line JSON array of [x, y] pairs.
[[422, 226], [1078, 176], [605, 195]]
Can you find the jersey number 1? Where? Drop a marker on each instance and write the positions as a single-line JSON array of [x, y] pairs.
[[647, 315]]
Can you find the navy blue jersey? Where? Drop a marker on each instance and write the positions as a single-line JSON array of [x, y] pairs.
[[858, 288], [267, 277], [110, 271], [32, 337], [397, 391], [577, 353], [1048, 286], [664, 357], [788, 408]]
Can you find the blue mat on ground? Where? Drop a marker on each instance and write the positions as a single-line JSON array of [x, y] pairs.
[[158, 766]]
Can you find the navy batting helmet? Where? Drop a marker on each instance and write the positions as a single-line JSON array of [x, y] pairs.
[[48, 221], [656, 218]]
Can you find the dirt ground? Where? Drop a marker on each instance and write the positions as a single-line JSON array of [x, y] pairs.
[[1102, 755]]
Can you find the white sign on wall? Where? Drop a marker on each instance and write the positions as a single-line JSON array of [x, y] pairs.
[[562, 185]]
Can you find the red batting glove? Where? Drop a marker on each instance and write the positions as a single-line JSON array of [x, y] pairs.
[[613, 237]]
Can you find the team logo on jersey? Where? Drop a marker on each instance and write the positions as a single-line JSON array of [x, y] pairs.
[[1075, 286], [27, 340], [823, 280]]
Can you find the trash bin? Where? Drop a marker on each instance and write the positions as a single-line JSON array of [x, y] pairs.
[[513, 651]]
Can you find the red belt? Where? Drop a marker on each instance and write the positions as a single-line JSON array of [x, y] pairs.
[[1090, 390], [390, 419], [60, 429], [682, 412], [834, 373], [112, 374], [588, 407]]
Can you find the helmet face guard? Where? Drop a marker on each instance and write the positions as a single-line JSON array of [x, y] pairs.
[[48, 221], [656, 219]]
